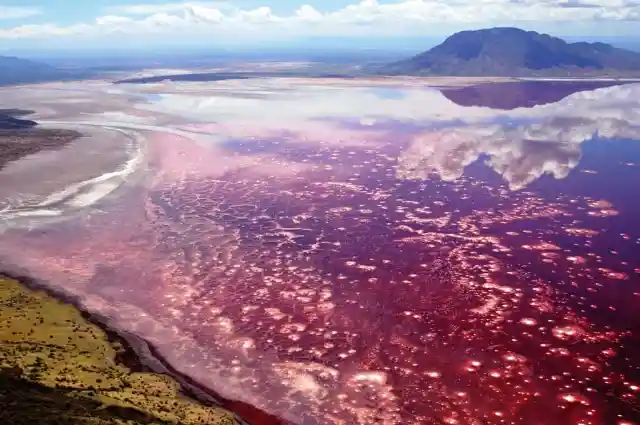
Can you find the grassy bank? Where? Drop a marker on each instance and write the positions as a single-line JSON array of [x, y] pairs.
[[57, 368]]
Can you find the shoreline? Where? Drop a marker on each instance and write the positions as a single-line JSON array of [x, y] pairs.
[[18, 143], [81, 191], [140, 356]]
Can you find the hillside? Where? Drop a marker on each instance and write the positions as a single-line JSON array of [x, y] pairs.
[[56, 368], [8, 122], [22, 71], [515, 52]]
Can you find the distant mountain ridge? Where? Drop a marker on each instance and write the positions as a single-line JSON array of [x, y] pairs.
[[23, 71], [514, 52]]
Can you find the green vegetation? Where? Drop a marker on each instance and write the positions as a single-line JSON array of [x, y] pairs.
[[57, 368]]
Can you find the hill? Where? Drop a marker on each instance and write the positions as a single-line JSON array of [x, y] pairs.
[[57, 368], [8, 122], [515, 52], [22, 71]]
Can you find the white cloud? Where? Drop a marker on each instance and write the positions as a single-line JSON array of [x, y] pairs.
[[261, 15], [203, 14], [367, 16], [308, 13], [153, 8], [18, 12]]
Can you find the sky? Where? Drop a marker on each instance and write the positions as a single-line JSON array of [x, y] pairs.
[[72, 24]]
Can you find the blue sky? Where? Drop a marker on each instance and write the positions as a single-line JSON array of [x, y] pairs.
[[72, 11], [120, 23]]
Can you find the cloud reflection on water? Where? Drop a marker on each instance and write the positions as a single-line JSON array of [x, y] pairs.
[[520, 144], [524, 144]]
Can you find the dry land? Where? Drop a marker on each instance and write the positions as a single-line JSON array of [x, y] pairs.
[[57, 368], [16, 144]]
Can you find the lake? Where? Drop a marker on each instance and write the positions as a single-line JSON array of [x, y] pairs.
[[356, 252]]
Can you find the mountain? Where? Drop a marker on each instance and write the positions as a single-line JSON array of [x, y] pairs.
[[515, 52], [22, 71], [519, 94]]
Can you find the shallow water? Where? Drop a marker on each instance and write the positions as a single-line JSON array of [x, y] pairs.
[[346, 255]]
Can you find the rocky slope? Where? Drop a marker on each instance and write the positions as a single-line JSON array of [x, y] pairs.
[[515, 52]]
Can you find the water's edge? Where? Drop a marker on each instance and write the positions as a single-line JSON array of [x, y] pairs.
[[141, 356]]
